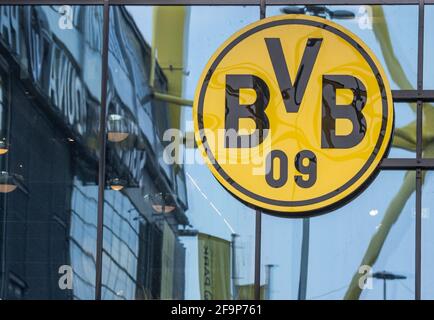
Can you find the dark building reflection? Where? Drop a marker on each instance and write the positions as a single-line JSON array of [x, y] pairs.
[[50, 72]]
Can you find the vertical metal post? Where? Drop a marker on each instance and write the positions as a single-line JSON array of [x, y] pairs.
[[262, 9], [268, 280], [102, 148], [304, 260], [384, 289], [418, 253], [258, 221], [258, 235], [419, 148], [234, 268], [4, 225]]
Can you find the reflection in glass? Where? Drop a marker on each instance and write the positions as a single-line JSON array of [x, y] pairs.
[[380, 27], [428, 48], [428, 130], [117, 129], [169, 216], [4, 146], [427, 290], [404, 136], [116, 184], [404, 139], [8, 183], [325, 257], [49, 108], [143, 255], [161, 202], [281, 257], [319, 11]]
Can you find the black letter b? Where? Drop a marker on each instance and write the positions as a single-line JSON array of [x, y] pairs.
[[352, 112], [256, 111]]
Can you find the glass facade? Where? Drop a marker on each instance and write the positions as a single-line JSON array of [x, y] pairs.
[[50, 105], [169, 229]]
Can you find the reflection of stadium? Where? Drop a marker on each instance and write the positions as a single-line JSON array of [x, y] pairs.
[[50, 88]]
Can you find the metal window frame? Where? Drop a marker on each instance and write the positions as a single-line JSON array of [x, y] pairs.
[[213, 2], [419, 96], [102, 139]]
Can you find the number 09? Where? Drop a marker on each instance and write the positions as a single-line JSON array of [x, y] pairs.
[[305, 162]]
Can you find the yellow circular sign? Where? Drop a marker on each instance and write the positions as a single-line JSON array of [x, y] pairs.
[[293, 114]]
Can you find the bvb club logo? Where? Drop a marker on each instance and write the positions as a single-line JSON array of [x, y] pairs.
[[293, 114]]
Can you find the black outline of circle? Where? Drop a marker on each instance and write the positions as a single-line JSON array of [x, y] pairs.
[[331, 194]]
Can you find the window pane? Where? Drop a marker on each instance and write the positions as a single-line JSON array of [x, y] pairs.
[[50, 73], [427, 235], [428, 74], [404, 136], [281, 257], [428, 130], [380, 27], [163, 220], [317, 258]]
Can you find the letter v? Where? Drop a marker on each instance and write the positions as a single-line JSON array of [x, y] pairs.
[[292, 94]]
